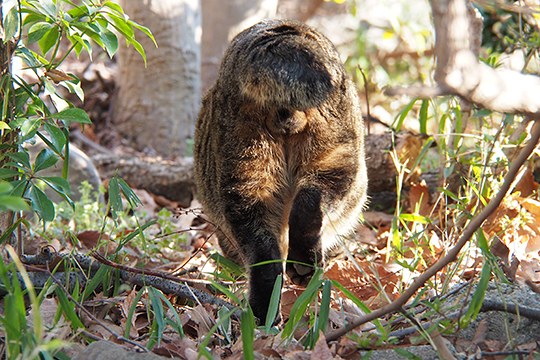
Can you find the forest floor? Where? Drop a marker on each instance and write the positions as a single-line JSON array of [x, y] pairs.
[[180, 244]]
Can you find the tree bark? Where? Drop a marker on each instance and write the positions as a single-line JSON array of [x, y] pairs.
[[458, 71], [173, 180], [156, 106], [221, 21]]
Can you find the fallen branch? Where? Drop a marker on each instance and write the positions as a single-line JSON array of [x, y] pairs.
[[135, 277], [458, 29], [487, 305], [452, 254], [117, 336]]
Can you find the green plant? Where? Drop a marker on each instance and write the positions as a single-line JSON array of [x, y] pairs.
[[25, 337], [34, 105]]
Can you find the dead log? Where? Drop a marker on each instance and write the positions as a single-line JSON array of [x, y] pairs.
[[174, 179], [171, 179]]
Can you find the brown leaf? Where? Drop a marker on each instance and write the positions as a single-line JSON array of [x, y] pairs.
[[508, 261], [532, 206], [203, 319], [321, 350], [126, 306], [91, 238], [481, 332], [57, 75], [102, 332], [265, 346], [408, 147], [183, 348], [367, 236], [527, 185], [419, 199], [361, 282], [288, 297]]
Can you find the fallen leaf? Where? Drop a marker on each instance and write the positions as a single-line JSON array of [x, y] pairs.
[[526, 185], [419, 199], [321, 350]]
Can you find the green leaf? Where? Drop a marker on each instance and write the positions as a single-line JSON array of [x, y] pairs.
[[131, 312], [28, 56], [144, 29], [5, 187], [68, 308], [301, 304], [49, 39], [398, 122], [74, 87], [138, 231], [478, 297], [139, 48], [159, 315], [8, 202], [60, 186], [8, 173], [129, 194], [177, 323], [99, 278], [56, 136], [37, 31], [415, 218], [324, 311], [72, 115], [4, 126], [80, 43], [11, 23], [231, 266], [360, 305], [274, 304], [114, 197], [41, 203], [423, 116], [76, 13], [224, 290], [247, 323], [45, 159], [113, 6], [19, 187], [21, 158], [121, 25], [32, 17], [110, 41], [45, 7], [29, 128]]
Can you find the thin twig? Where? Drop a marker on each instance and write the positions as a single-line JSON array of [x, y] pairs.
[[159, 274], [172, 286], [366, 91], [452, 254], [422, 92]]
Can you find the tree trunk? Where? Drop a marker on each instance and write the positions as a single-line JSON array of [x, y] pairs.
[[156, 106], [221, 21]]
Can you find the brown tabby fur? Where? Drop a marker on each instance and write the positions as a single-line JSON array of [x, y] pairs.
[[279, 152]]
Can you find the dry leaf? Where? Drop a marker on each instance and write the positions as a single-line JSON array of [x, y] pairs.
[[419, 199], [527, 185], [321, 350], [203, 319], [183, 348], [126, 306], [57, 75]]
